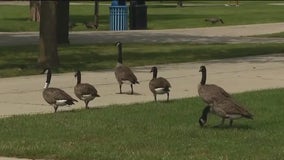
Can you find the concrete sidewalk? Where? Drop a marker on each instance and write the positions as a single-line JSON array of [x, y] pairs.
[[223, 34], [23, 95]]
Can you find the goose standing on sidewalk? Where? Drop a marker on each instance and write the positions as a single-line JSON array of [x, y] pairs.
[[55, 96], [84, 91], [124, 74], [159, 85]]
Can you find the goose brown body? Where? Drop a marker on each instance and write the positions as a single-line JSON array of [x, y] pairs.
[[124, 74], [225, 108], [159, 85], [52, 95], [228, 108], [85, 91], [55, 96]]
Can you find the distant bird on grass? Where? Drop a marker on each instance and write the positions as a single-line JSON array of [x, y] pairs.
[[214, 20], [91, 25]]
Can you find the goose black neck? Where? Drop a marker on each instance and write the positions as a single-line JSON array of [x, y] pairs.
[[205, 112], [119, 59], [155, 73], [203, 78], [78, 75], [48, 76]]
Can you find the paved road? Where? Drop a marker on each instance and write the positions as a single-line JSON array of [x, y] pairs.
[[226, 34]]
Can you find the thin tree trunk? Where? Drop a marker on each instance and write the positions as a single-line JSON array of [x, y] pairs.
[[96, 15], [48, 40], [35, 10], [63, 21]]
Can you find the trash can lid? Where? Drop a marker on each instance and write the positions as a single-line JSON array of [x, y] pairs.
[[114, 3]]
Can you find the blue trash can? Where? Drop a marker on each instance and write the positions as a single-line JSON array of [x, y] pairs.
[[118, 17]]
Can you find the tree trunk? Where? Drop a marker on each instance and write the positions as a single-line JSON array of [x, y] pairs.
[[96, 13], [48, 42], [63, 21], [35, 10]]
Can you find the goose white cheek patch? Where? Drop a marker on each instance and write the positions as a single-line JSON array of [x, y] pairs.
[[46, 85]]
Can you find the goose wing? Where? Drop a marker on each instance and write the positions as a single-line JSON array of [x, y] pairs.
[[51, 95], [230, 107], [85, 89], [210, 92], [162, 83], [159, 83], [124, 73]]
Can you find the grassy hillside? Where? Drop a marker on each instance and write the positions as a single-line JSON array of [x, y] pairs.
[[149, 131]]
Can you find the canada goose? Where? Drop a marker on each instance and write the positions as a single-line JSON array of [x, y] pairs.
[[209, 92], [226, 108], [159, 85], [214, 20], [90, 25], [122, 73], [84, 91], [55, 96]]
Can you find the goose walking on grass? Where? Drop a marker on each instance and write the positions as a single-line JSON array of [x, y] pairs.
[[55, 96], [225, 108], [219, 102], [209, 92], [159, 85], [124, 74], [84, 91]]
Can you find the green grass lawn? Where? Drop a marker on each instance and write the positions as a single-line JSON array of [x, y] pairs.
[[149, 131], [22, 60], [160, 15]]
